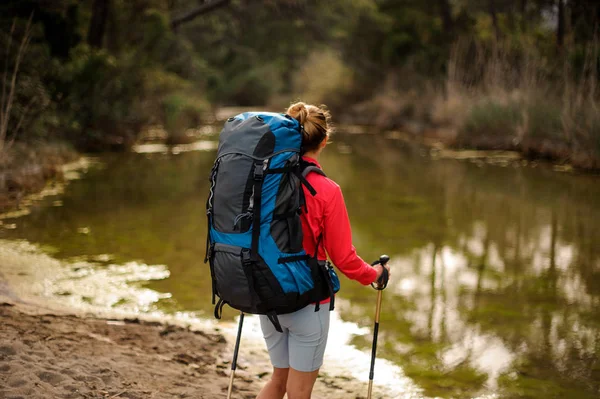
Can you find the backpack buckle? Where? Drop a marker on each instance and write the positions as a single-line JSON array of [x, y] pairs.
[[258, 171], [246, 258]]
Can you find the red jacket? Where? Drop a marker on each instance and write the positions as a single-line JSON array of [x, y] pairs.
[[327, 214]]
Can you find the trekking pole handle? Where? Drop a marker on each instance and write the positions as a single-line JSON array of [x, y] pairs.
[[382, 282]]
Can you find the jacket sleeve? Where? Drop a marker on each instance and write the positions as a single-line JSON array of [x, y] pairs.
[[337, 240]]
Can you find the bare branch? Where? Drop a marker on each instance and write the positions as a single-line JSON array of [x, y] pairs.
[[2, 107], [7, 107], [21, 119], [203, 9]]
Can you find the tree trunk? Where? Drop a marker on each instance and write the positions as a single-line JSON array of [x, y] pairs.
[[560, 30], [446, 11], [524, 19], [100, 10], [494, 18]]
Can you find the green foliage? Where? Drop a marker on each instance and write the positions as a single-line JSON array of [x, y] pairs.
[[254, 86], [584, 125], [180, 113], [491, 118], [104, 99], [324, 79], [31, 96], [544, 118], [251, 53]]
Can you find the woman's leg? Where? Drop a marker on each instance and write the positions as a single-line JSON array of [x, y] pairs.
[[297, 353], [275, 388], [300, 383], [277, 344], [306, 342]]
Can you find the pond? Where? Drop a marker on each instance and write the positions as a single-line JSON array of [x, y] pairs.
[[496, 265]]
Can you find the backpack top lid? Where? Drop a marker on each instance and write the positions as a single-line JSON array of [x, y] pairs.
[[260, 135]]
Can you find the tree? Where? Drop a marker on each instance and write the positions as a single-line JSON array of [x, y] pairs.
[[8, 97], [446, 12], [494, 15], [524, 16], [204, 8], [100, 11], [560, 29]]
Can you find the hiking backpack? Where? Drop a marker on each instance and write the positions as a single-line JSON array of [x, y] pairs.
[[254, 243]]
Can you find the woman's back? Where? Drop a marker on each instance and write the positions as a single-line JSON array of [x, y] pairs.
[[327, 217]]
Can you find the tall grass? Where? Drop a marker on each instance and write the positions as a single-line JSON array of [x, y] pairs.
[[508, 96], [181, 112]]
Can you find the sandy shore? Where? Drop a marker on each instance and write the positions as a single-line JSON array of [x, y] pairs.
[[50, 355]]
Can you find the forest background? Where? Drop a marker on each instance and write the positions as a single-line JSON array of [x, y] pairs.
[[95, 75]]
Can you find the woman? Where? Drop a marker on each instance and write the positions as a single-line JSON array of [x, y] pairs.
[[297, 353]]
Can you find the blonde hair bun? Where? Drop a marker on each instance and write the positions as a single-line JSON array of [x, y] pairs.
[[299, 112], [315, 124]]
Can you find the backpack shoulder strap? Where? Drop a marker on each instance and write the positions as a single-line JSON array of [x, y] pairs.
[[307, 167], [304, 170], [313, 168]]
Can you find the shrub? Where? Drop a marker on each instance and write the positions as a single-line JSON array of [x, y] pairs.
[[491, 124], [109, 99], [584, 128], [180, 113], [24, 168], [323, 79], [544, 118], [103, 96]]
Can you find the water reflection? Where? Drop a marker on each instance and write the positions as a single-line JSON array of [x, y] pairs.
[[496, 271], [496, 268]]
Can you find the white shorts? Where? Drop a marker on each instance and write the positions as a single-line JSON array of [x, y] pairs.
[[301, 346]]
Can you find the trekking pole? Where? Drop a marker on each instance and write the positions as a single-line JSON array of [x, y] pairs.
[[380, 286], [235, 355]]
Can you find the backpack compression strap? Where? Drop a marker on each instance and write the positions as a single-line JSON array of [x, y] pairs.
[[210, 247], [258, 176]]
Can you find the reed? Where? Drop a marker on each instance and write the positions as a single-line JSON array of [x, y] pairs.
[[508, 96]]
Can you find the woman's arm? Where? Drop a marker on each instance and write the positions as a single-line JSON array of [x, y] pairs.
[[337, 240]]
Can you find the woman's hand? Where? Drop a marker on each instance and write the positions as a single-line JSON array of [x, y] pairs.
[[379, 270]]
